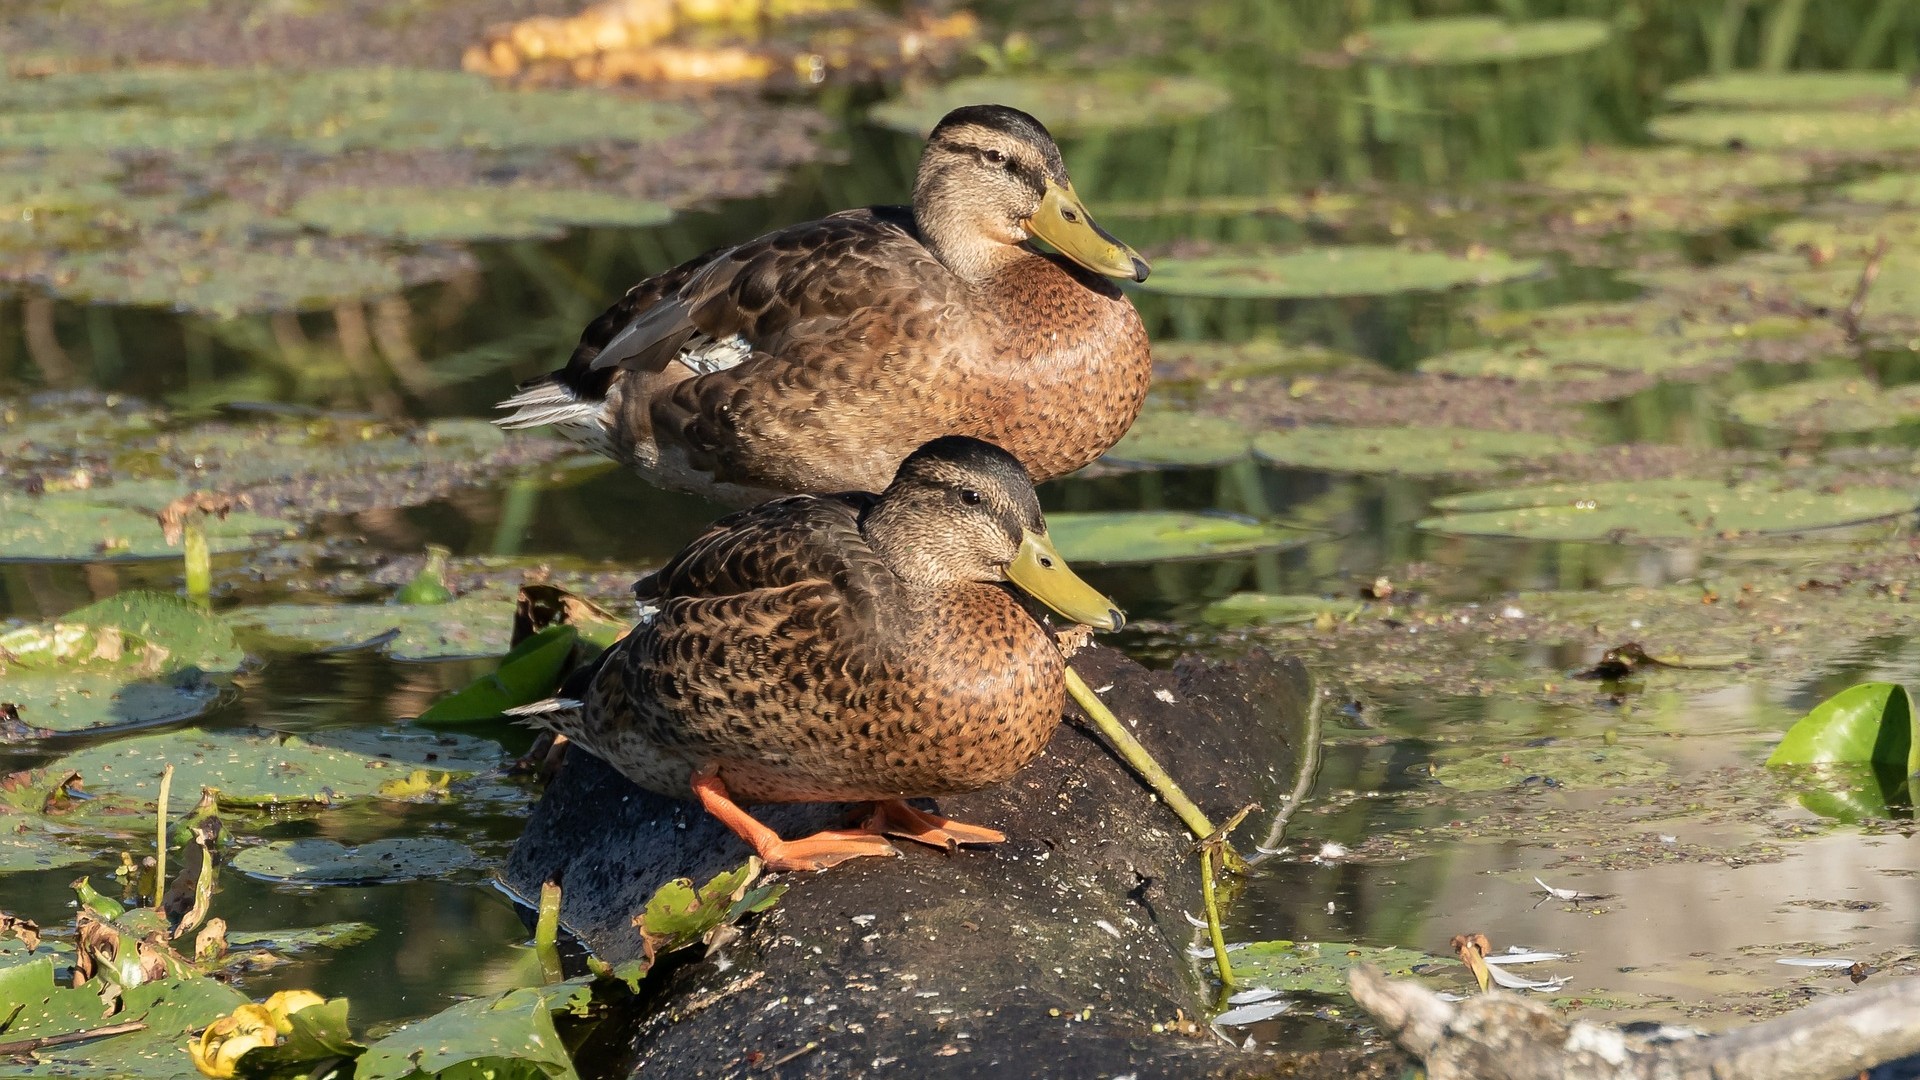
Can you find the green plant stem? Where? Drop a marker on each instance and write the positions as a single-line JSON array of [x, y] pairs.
[[546, 933], [160, 858], [1212, 905], [199, 561], [1136, 756]]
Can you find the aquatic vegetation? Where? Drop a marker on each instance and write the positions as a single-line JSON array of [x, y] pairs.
[[1142, 536], [1818, 406], [318, 861], [1660, 510], [1071, 105], [1474, 39], [1409, 451], [1358, 270]]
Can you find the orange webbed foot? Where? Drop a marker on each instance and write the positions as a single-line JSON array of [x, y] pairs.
[[895, 818], [816, 852]]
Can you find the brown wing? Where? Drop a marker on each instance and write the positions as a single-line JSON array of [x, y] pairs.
[[786, 542]]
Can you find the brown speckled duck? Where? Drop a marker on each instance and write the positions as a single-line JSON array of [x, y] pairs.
[[816, 358], [850, 647]]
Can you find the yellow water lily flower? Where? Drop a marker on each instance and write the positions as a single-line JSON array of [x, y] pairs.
[[218, 1050]]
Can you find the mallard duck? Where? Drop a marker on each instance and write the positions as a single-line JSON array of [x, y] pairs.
[[845, 648], [815, 358]]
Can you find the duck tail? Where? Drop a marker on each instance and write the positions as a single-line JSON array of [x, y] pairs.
[[560, 715], [583, 416]]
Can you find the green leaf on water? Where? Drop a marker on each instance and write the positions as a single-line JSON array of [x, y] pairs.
[[1571, 767], [31, 847], [470, 213], [190, 636], [1126, 536], [336, 935], [319, 1032], [1896, 189], [318, 861], [1818, 406], [85, 699], [1409, 451], [510, 1037], [1850, 131], [1319, 273], [1868, 724], [529, 673], [1243, 609], [1792, 89], [1069, 104], [171, 1008], [1669, 171], [474, 625], [1319, 967], [263, 769], [1474, 39], [429, 586], [1169, 437], [1585, 359], [1210, 362], [79, 526], [1628, 511]]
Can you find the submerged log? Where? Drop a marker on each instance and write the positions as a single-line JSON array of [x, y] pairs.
[[1056, 953], [1500, 1036]]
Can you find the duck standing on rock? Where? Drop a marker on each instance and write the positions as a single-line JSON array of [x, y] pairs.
[[845, 648], [816, 358]]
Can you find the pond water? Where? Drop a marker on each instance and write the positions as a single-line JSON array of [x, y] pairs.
[[1438, 646]]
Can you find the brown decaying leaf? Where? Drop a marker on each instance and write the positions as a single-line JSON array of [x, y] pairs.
[[173, 517]]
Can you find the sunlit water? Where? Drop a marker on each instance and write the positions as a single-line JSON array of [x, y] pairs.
[[1678, 932]]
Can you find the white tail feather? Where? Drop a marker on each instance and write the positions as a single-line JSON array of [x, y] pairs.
[[549, 402]]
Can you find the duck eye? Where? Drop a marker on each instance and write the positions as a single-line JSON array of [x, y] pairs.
[[970, 497], [997, 157]]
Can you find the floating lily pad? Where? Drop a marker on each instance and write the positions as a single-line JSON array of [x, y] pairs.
[[1589, 358], [82, 526], [260, 768], [31, 849], [217, 276], [1826, 405], [479, 625], [1849, 236], [1218, 361], [299, 939], [1572, 767], [318, 861], [1068, 105], [1318, 273], [1835, 130], [72, 701], [511, 1036], [1869, 724], [325, 110], [170, 1008], [1670, 170], [1160, 535], [1792, 89], [1899, 189], [186, 632], [1408, 451], [1475, 39], [1319, 967], [1640, 511], [1244, 609], [469, 213], [1167, 437]]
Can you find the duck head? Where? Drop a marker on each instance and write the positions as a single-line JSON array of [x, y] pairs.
[[963, 510], [991, 179]]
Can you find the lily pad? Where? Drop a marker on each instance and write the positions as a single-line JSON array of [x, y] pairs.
[[470, 213], [299, 939], [1573, 767], [1670, 171], [82, 700], [31, 849], [259, 768], [510, 1037], [1584, 359], [1113, 538], [213, 274], [478, 625], [1869, 724], [1167, 437], [1654, 510], [1475, 39], [1219, 361], [319, 861], [171, 1009], [1320, 273], [1068, 105], [1319, 967], [186, 632], [1792, 89], [1898, 189], [84, 527], [1409, 451], [1828, 405], [1244, 609], [1834, 130]]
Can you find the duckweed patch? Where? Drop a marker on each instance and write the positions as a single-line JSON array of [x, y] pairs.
[[1320, 273], [1571, 767], [1320, 967]]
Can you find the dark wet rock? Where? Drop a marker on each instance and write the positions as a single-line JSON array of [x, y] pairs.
[[1053, 954]]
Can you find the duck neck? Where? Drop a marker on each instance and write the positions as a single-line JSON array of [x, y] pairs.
[[896, 532], [974, 249]]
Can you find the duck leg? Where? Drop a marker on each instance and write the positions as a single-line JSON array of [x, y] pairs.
[[895, 818], [816, 852]]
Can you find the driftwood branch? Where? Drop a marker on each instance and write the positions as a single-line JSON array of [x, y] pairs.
[[1499, 1036]]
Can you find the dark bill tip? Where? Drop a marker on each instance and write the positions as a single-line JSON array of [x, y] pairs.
[[1140, 269]]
